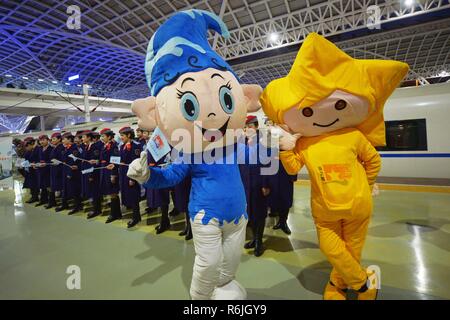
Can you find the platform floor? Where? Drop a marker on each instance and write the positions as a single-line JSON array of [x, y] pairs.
[[409, 239]]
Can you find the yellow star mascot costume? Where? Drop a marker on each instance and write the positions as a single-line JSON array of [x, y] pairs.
[[331, 107]]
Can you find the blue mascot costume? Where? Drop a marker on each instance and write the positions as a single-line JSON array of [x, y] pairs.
[[197, 99]]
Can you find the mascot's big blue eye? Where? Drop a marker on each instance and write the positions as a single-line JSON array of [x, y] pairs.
[[189, 106], [226, 99]]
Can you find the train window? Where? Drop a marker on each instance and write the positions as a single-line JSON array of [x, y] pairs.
[[405, 135]]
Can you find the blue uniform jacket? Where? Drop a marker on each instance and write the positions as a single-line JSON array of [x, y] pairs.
[[107, 187], [44, 172], [56, 178]]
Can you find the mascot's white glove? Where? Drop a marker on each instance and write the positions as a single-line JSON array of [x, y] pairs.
[[288, 140], [375, 190], [138, 169], [231, 291]]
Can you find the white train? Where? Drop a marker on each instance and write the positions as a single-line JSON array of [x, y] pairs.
[[418, 133], [418, 120]]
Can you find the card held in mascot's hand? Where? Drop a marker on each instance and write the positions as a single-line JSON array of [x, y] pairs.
[[158, 145]]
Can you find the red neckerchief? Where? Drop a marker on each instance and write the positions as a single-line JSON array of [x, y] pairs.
[[68, 146], [89, 146], [128, 146], [108, 145]]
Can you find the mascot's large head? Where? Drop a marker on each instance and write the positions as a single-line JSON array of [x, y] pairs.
[[192, 88], [326, 90]]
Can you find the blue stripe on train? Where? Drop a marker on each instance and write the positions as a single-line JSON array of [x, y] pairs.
[[415, 155]]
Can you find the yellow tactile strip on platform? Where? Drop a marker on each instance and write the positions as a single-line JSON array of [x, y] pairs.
[[399, 187]]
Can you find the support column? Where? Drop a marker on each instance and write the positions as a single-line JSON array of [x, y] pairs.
[[42, 120], [87, 111]]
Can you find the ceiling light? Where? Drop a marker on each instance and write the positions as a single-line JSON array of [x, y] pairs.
[[409, 3], [274, 37], [25, 78], [74, 77], [40, 80], [8, 75], [55, 82]]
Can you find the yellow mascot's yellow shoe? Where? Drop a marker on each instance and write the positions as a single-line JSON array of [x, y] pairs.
[[370, 289], [334, 293]]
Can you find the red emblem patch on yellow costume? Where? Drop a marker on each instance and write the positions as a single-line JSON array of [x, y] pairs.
[[336, 172]]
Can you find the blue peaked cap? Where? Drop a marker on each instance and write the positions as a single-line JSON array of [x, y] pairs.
[[180, 45]]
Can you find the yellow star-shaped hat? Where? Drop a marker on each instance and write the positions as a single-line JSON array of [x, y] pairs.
[[321, 68]]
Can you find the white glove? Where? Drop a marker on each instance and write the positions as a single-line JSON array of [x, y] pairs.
[[288, 140], [138, 169], [375, 190]]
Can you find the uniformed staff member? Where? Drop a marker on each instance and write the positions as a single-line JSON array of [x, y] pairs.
[[78, 141], [129, 188], [159, 198], [281, 197], [91, 153], [31, 178], [96, 138], [180, 199], [143, 140], [71, 175], [19, 148], [256, 187], [109, 176], [44, 152], [138, 137], [55, 170]]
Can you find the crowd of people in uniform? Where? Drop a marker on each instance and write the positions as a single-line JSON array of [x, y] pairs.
[[68, 169]]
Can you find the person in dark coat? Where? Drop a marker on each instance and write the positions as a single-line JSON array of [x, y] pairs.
[[159, 198], [91, 154], [256, 188], [130, 189], [99, 145], [109, 176], [78, 142], [31, 176], [281, 197], [55, 170], [96, 138], [180, 199], [143, 135], [19, 148], [71, 175], [138, 137], [44, 152], [77, 139]]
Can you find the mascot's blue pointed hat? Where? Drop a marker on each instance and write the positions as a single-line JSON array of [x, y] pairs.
[[180, 45]]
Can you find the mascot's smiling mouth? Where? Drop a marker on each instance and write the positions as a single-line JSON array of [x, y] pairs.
[[213, 134], [325, 125]]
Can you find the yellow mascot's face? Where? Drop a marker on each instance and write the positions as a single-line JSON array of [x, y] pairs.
[[327, 90], [339, 110]]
